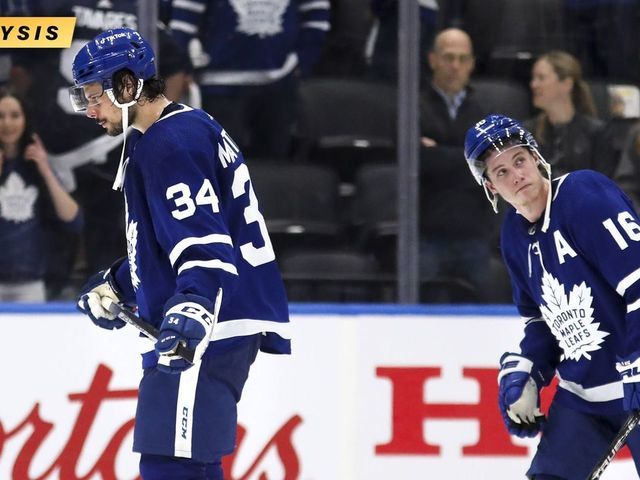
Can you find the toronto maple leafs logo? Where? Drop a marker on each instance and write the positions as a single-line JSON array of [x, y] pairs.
[[570, 318], [17, 200], [132, 243], [259, 17]]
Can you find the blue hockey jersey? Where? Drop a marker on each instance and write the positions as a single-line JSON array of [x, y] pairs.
[[577, 287], [193, 225], [252, 42]]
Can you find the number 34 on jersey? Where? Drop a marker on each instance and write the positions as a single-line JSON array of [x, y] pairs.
[[186, 203]]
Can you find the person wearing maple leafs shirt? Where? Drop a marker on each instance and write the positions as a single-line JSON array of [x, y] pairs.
[[572, 248], [31, 196], [250, 57]]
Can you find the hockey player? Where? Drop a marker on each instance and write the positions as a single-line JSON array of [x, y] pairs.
[[572, 248], [198, 252]]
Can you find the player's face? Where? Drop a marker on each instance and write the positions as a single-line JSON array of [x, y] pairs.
[[12, 121], [513, 174], [546, 87], [102, 109]]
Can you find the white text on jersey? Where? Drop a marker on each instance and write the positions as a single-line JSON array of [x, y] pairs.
[[227, 151]]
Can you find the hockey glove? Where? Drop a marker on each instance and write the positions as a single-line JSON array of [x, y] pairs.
[[189, 320], [629, 369], [100, 285], [518, 395]]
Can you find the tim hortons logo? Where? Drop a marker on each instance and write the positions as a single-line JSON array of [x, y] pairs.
[[409, 411], [36, 430]]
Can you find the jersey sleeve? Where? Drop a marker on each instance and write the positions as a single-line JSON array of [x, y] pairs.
[[189, 222], [186, 20], [314, 24]]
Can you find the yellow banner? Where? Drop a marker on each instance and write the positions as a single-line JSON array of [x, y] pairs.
[[36, 32]]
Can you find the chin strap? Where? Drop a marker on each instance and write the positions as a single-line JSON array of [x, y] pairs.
[[124, 107], [547, 210], [493, 199]]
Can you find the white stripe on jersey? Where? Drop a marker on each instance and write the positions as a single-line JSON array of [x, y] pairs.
[[529, 320], [190, 241], [634, 306], [627, 281], [184, 109], [602, 393], [432, 4], [324, 26], [321, 4], [250, 77], [243, 327], [227, 267], [186, 27], [184, 411], [189, 5]]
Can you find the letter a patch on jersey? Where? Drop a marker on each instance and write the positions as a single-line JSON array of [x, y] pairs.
[[562, 247]]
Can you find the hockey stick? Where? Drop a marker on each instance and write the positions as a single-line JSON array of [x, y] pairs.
[[145, 328], [615, 445]]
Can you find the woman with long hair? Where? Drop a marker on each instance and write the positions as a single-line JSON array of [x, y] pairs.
[[31, 199], [570, 135]]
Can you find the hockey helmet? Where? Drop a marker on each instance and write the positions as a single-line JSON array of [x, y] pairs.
[[107, 53], [493, 132], [499, 133]]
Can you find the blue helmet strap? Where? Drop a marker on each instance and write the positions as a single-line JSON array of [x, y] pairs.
[[124, 108]]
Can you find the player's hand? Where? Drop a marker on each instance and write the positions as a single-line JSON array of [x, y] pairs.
[[100, 285], [189, 320], [629, 369], [519, 396]]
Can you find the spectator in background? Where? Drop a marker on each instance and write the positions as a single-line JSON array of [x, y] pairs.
[[382, 45], [452, 249], [604, 35], [627, 174], [250, 57], [83, 155], [448, 103], [342, 55], [570, 135], [177, 71], [32, 199]]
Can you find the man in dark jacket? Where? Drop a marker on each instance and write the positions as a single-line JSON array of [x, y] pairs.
[[455, 228]]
